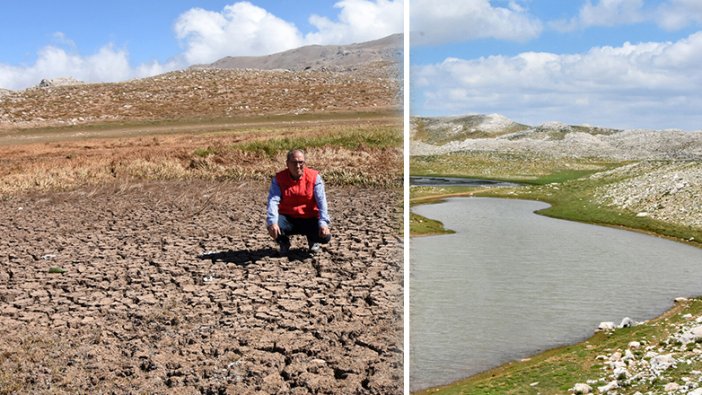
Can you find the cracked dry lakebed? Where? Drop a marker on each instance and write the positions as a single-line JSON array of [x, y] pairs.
[[176, 287]]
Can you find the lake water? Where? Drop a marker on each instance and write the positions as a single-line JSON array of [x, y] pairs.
[[511, 283]]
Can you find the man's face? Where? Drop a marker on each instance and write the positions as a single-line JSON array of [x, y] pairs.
[[296, 164]]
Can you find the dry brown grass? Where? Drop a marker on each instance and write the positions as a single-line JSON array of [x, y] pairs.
[[221, 154]]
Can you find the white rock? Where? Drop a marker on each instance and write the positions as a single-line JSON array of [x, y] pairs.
[[628, 356], [581, 388], [627, 323], [680, 300], [697, 332], [618, 365], [670, 387], [695, 392], [687, 316], [659, 363], [634, 345], [620, 373], [616, 356], [606, 326], [592, 382], [608, 387]]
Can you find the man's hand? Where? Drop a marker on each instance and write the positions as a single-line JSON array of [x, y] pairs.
[[324, 232], [274, 231]]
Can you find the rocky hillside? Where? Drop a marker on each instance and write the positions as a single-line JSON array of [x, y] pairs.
[[668, 191], [442, 130], [386, 51], [660, 172], [494, 133], [371, 82]]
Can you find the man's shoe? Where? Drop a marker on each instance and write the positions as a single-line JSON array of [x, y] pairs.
[[284, 249], [316, 247]]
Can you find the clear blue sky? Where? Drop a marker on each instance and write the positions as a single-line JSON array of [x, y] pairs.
[[121, 39], [615, 63]]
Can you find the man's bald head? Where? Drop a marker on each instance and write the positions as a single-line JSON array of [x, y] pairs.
[[296, 163]]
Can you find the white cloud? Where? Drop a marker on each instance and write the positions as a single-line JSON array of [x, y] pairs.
[[444, 21], [358, 21], [604, 13], [244, 29], [633, 85], [239, 29], [107, 65], [677, 14], [669, 14]]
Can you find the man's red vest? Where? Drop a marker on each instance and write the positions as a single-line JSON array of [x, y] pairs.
[[297, 196]]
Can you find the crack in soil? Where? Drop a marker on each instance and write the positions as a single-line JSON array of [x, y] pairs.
[[138, 309]]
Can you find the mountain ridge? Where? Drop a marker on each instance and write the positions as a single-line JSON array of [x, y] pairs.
[[319, 57], [496, 133], [212, 92]]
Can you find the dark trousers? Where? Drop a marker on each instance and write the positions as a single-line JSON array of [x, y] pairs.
[[300, 226]]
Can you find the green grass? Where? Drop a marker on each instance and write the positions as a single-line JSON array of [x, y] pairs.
[[378, 138], [506, 167], [205, 152], [424, 226]]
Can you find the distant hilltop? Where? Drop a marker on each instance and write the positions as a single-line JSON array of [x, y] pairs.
[[320, 57], [61, 81], [497, 133]]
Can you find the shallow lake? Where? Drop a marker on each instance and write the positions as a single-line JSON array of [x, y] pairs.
[[511, 283]]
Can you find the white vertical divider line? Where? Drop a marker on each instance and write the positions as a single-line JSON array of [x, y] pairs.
[[405, 201]]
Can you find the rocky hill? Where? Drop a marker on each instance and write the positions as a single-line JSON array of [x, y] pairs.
[[386, 51], [495, 133], [372, 83], [659, 175], [442, 130]]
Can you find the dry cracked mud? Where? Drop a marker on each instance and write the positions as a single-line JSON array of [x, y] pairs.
[[174, 287]]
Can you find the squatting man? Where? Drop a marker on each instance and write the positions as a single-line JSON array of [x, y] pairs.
[[297, 205]]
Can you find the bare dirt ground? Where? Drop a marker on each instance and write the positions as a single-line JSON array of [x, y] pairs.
[[174, 287]]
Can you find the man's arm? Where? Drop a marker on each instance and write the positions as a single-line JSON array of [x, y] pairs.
[[321, 198], [272, 211]]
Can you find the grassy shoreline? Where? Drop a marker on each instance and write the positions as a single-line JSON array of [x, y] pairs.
[[557, 369]]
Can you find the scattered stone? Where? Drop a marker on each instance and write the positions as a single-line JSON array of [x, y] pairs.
[[581, 388], [627, 323], [612, 385], [660, 363]]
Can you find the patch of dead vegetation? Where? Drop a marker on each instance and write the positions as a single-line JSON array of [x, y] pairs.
[[220, 155]]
